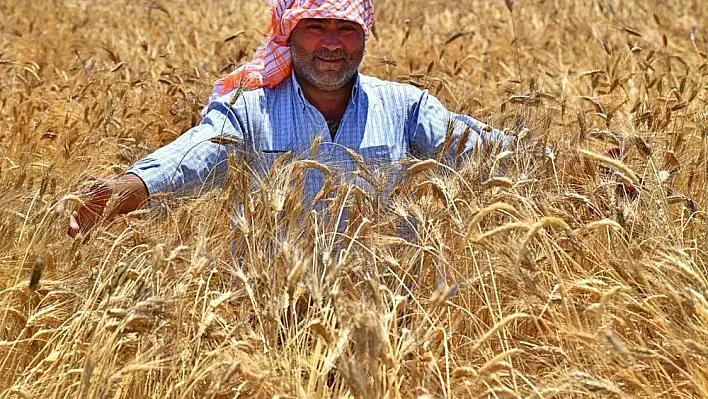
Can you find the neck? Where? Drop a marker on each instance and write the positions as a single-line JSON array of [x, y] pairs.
[[331, 104]]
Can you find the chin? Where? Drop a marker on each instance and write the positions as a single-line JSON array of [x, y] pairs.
[[332, 81], [328, 87]]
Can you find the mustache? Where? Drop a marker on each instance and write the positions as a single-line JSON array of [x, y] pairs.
[[330, 55]]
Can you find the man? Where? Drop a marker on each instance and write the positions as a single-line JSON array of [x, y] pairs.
[[303, 84]]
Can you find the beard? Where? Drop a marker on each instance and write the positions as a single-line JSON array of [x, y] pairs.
[[323, 69]]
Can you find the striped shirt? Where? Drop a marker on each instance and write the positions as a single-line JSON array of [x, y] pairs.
[[384, 122]]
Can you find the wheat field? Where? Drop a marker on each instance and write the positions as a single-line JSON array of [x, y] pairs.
[[553, 269]]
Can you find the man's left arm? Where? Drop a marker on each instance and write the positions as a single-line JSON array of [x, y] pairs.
[[429, 123]]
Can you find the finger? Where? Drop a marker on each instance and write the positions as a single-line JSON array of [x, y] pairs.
[[82, 220], [89, 217], [59, 207], [74, 226], [74, 197]]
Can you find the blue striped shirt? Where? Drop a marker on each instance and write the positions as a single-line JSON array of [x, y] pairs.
[[383, 122]]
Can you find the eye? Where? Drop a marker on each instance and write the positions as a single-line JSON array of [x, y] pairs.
[[317, 27], [347, 28]]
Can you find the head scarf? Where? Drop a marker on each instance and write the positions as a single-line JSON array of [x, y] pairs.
[[271, 63]]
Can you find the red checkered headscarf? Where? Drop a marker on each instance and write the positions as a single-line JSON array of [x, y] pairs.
[[271, 63]]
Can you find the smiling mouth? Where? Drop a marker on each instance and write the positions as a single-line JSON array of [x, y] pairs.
[[330, 65], [330, 59]]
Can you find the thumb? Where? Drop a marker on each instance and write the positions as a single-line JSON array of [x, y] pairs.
[[59, 207]]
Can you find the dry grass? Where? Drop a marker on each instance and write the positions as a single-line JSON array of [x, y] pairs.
[[546, 282]]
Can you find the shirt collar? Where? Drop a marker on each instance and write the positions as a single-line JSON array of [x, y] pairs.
[[296, 87]]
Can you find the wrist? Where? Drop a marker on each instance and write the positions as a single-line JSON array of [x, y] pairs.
[[131, 191]]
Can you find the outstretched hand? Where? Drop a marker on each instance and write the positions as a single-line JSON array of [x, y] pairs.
[[131, 193]]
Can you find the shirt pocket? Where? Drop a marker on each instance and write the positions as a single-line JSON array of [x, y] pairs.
[[266, 157], [272, 148]]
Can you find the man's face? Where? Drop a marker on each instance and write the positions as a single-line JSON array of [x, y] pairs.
[[326, 53]]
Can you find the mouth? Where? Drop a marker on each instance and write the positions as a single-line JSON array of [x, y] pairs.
[[330, 60], [331, 65]]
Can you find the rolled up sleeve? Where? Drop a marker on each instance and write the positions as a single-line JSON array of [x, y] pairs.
[[195, 161]]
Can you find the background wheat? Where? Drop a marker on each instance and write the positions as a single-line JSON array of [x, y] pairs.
[[571, 274]]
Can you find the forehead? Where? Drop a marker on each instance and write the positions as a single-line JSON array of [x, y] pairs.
[[327, 21]]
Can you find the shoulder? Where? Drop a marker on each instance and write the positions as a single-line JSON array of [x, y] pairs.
[[240, 101], [237, 97], [374, 85], [391, 93], [284, 88]]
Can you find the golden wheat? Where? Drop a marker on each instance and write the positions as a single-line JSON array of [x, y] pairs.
[[532, 272]]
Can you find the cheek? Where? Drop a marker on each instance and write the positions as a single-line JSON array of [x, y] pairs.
[[354, 52], [353, 44], [307, 42]]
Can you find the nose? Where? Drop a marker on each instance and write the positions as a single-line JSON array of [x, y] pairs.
[[331, 40]]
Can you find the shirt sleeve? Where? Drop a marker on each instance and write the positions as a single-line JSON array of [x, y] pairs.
[[430, 122], [196, 161]]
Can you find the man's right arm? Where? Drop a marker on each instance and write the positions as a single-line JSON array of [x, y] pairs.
[[195, 161]]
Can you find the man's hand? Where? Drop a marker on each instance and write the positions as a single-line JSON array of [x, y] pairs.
[[129, 189]]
